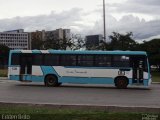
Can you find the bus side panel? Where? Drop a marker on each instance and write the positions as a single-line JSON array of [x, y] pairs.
[[86, 80], [146, 80], [13, 72], [38, 73], [14, 77], [49, 70], [94, 72], [95, 75], [37, 78]]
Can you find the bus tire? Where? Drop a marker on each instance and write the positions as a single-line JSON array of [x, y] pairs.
[[121, 82], [51, 81]]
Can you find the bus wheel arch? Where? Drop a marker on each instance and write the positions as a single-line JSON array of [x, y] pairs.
[[121, 82], [51, 80]]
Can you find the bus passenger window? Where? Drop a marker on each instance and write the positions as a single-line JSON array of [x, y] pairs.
[[85, 60], [68, 60], [37, 59], [121, 61], [15, 59], [51, 60], [103, 61]]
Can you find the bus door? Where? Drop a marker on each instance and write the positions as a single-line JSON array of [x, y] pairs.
[[25, 66], [138, 64]]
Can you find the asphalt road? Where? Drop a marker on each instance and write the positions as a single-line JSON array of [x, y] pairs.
[[68, 94]]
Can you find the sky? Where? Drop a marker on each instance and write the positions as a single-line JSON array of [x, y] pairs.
[[83, 16]]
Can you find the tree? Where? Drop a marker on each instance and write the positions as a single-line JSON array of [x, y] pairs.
[[51, 44], [37, 44], [103, 45], [122, 41], [76, 42], [153, 49], [4, 55], [58, 44], [66, 43]]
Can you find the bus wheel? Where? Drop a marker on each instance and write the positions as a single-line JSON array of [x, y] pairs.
[[51, 81], [121, 82]]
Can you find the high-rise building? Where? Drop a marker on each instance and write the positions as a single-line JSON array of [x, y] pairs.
[[93, 40], [57, 35], [15, 39], [66, 33], [38, 35]]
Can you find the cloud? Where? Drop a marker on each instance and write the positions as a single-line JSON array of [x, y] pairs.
[[146, 2], [141, 29], [84, 23], [148, 7], [52, 21]]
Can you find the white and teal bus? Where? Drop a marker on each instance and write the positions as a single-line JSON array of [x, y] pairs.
[[120, 68]]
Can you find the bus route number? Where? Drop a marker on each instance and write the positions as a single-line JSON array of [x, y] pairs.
[[122, 73]]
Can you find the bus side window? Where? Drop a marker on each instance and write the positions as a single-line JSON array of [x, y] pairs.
[[51, 60], [15, 59], [37, 59], [68, 60], [103, 61], [121, 61], [85, 60]]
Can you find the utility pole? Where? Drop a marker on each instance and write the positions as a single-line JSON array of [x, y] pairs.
[[104, 21]]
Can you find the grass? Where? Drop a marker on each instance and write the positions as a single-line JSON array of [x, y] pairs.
[[39, 113], [3, 72], [155, 75]]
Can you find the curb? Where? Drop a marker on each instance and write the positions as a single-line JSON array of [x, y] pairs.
[[87, 107], [155, 82], [3, 78]]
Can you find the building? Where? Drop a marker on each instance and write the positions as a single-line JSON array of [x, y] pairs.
[[58, 34], [36, 39], [93, 40], [43, 36], [66, 33], [38, 35], [15, 39]]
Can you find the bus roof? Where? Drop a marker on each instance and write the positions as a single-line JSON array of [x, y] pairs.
[[81, 52]]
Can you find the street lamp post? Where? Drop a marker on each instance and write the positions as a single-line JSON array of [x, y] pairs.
[[104, 21]]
